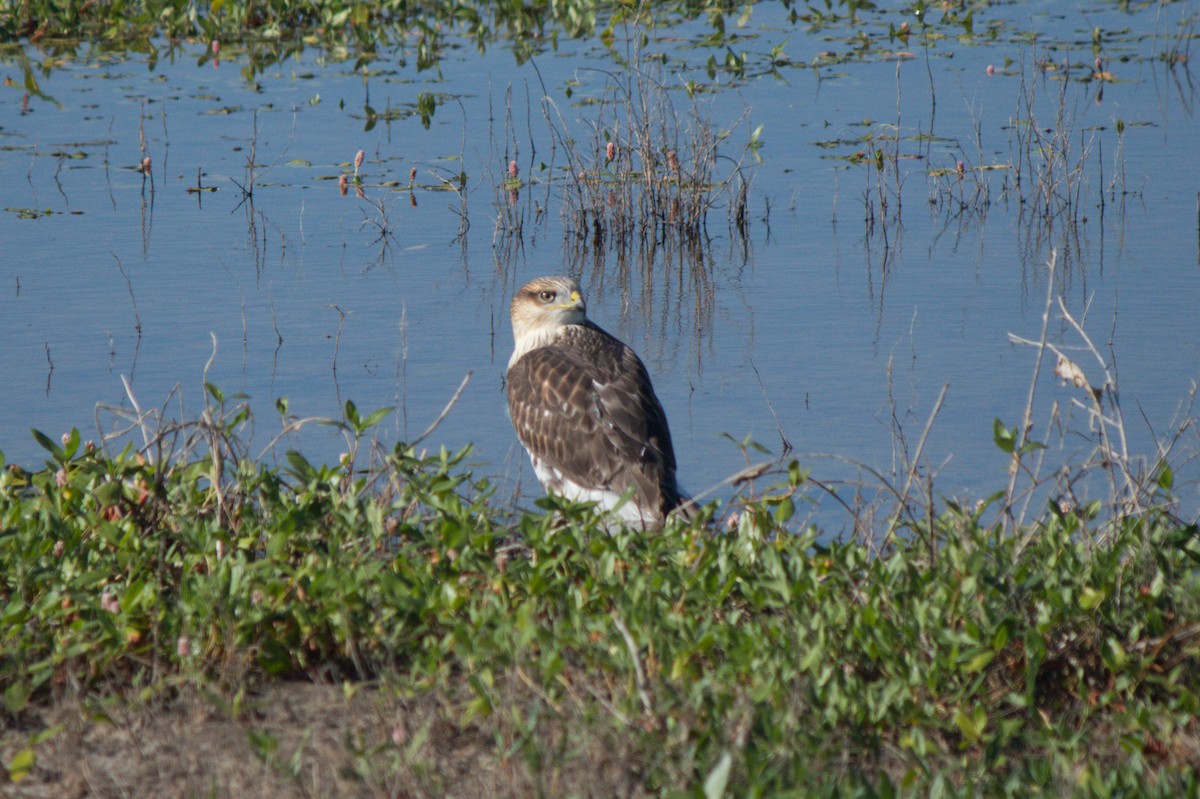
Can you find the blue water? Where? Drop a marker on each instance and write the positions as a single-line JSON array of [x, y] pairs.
[[793, 329]]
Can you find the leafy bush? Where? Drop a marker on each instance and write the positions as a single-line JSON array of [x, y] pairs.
[[753, 657]]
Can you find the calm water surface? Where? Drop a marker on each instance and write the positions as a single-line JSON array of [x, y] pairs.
[[853, 298]]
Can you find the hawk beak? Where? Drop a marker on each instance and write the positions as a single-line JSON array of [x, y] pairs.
[[576, 303]]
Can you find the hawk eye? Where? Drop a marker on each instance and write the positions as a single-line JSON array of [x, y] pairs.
[[545, 296]]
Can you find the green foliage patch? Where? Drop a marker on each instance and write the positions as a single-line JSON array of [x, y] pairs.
[[747, 657]]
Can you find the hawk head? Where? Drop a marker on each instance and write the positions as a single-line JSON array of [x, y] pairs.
[[542, 308]]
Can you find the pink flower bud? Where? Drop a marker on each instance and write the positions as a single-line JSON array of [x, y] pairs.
[[513, 170], [358, 159], [183, 647], [216, 47], [610, 152], [343, 185]]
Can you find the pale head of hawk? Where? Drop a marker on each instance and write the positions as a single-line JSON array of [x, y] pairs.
[[583, 407]]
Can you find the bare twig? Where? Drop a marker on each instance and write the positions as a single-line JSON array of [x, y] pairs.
[[639, 673], [445, 411], [914, 462], [1027, 415]]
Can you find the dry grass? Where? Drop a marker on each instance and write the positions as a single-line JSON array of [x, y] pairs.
[[304, 739]]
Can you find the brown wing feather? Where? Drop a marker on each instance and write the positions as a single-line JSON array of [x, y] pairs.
[[585, 406]]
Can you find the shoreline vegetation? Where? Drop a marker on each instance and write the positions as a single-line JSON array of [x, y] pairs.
[[394, 630]]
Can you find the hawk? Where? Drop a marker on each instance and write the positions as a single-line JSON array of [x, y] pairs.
[[583, 407]]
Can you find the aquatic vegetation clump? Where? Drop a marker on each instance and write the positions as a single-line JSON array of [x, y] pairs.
[[644, 172]]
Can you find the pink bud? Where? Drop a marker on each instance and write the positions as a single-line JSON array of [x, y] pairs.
[[358, 159], [60, 477], [991, 70], [412, 174], [343, 185], [216, 47], [610, 152], [513, 170], [183, 647]]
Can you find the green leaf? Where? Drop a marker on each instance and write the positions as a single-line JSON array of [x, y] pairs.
[[1005, 437], [971, 724], [110, 493], [72, 445], [47, 444], [718, 778], [1166, 478], [375, 416], [978, 662], [300, 466], [21, 764], [15, 697], [263, 743], [46, 734], [1090, 598], [796, 475], [784, 510], [1114, 655]]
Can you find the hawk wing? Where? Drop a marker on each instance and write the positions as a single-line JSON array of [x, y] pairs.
[[585, 407]]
